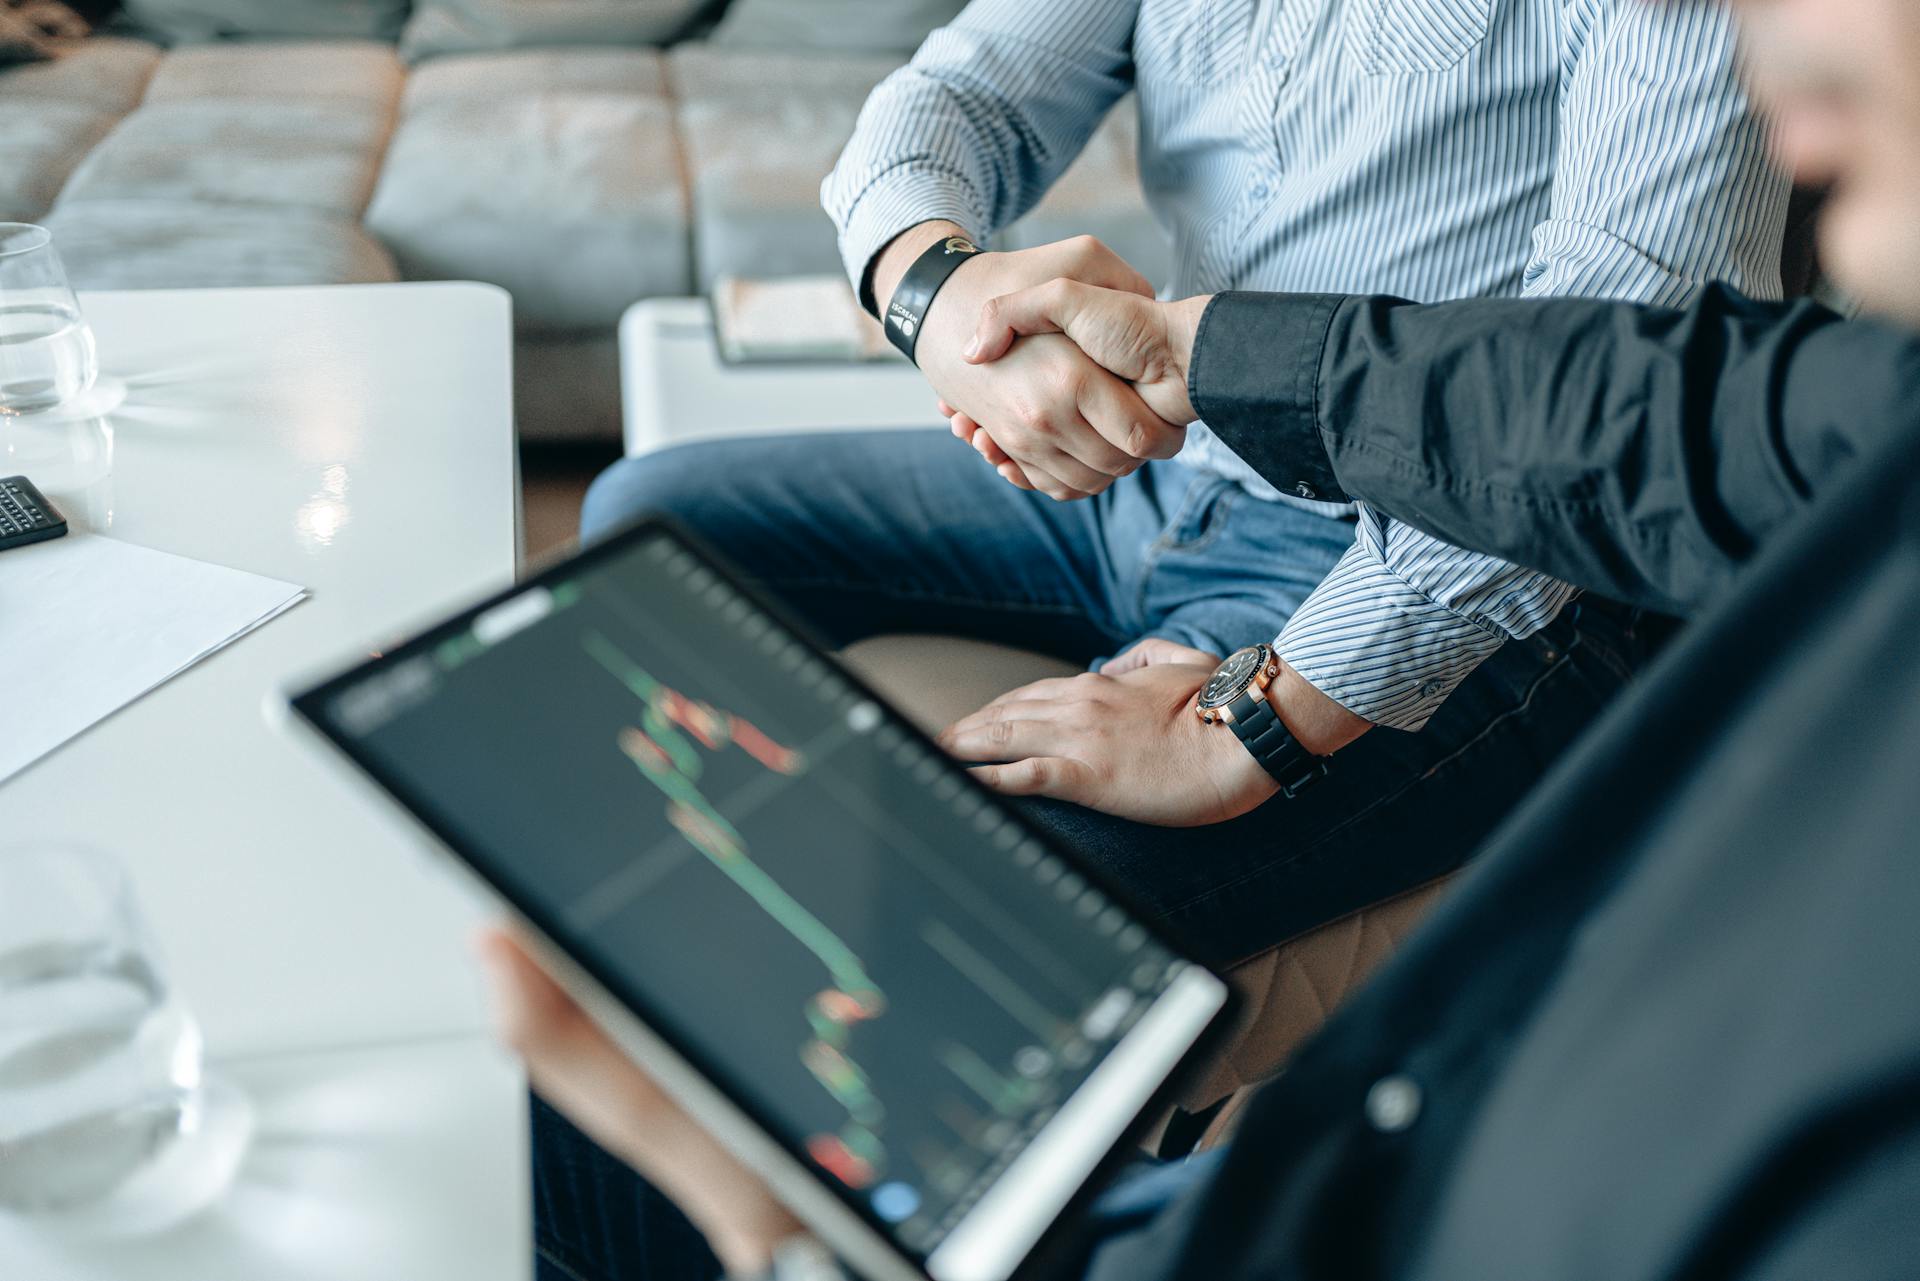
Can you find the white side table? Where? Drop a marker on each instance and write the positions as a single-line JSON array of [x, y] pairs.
[[675, 387]]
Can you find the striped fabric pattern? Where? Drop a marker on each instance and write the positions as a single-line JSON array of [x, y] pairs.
[[1429, 149]]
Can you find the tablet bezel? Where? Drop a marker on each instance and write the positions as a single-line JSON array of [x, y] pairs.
[[844, 1222]]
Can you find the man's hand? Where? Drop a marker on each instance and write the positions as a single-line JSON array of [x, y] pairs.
[[1125, 741], [1128, 745], [1147, 342], [1067, 427], [578, 1070]]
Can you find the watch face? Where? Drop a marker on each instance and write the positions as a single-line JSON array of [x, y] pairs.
[[1232, 676]]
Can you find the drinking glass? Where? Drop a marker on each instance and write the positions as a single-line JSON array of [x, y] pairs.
[[46, 349], [103, 1109]]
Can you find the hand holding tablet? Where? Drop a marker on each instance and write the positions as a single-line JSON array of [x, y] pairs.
[[577, 1068]]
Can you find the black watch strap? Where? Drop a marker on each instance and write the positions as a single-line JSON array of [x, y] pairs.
[[907, 311], [1273, 745]]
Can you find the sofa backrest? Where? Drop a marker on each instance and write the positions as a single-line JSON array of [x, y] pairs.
[[195, 20]]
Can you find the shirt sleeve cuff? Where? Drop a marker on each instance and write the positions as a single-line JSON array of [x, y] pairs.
[[904, 199], [1381, 649], [1254, 379]]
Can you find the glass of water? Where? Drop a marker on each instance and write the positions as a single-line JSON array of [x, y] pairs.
[[46, 349], [104, 1116]]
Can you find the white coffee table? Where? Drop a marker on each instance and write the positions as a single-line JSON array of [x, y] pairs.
[[675, 387], [357, 441]]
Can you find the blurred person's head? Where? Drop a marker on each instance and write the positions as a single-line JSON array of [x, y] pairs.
[[1842, 78]]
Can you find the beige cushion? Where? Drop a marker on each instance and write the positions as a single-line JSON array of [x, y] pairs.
[[441, 27], [935, 680], [1289, 991], [228, 19], [553, 175]]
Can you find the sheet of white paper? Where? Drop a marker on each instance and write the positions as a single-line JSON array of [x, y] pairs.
[[89, 624]]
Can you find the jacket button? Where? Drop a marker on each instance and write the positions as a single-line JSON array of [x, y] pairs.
[[1305, 490], [1393, 1103]]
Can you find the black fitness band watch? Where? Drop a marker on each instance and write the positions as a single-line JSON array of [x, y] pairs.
[[1236, 696], [907, 311]]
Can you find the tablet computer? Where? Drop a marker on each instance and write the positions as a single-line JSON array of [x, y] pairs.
[[861, 970]]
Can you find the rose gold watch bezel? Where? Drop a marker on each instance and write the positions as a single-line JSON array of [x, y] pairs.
[[1262, 678]]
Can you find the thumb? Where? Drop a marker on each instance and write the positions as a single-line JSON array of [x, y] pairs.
[[1043, 309]]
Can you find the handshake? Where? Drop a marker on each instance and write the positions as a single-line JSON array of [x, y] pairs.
[[1056, 363]]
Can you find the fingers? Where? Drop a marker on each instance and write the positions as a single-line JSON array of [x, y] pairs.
[[1051, 469], [527, 1005], [1124, 422], [1011, 473], [1005, 733], [1155, 650], [569, 1059], [984, 444], [1043, 309], [1059, 777]]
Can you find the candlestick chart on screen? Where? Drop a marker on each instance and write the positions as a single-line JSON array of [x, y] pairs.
[[670, 746]]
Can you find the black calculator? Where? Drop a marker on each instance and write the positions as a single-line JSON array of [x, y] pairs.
[[26, 516]]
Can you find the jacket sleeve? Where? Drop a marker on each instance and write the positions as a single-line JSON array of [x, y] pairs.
[[1640, 453]]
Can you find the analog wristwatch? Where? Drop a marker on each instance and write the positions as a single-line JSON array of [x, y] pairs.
[[1236, 696]]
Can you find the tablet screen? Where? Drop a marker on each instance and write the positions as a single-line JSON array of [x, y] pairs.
[[886, 970]]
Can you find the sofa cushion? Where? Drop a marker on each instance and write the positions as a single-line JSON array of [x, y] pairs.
[[474, 26], [41, 142], [290, 125], [356, 71], [52, 114], [191, 20], [841, 26], [135, 244], [935, 680], [555, 176], [299, 154], [105, 73], [760, 132]]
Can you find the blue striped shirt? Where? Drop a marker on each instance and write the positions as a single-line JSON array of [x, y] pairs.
[[1426, 148]]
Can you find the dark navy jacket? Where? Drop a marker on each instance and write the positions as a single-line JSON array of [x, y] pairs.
[[1668, 1027]]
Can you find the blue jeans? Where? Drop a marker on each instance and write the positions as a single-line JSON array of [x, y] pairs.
[[875, 532]]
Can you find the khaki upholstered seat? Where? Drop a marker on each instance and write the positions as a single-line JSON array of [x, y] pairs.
[[1287, 992]]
